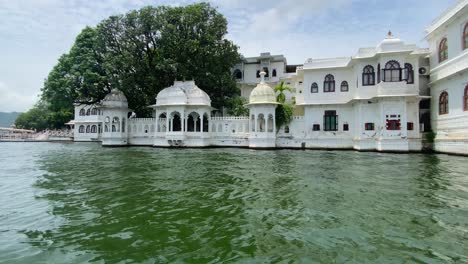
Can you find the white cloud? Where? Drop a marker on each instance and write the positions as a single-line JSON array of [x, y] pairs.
[[11, 99], [34, 33]]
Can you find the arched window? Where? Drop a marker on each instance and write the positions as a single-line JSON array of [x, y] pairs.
[[409, 73], [465, 99], [443, 50], [258, 74], [88, 112], [238, 74], [93, 129], [82, 112], [344, 86], [116, 124], [270, 123], [265, 69], [329, 84], [260, 123], [81, 129], [368, 76], [273, 73], [392, 72], [443, 103], [94, 111], [88, 129], [465, 37], [106, 128], [314, 88]]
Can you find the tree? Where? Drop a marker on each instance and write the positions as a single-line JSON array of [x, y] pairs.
[[236, 106], [284, 111], [35, 118], [141, 53], [280, 89]]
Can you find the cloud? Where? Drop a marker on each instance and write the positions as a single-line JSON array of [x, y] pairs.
[[11, 100], [34, 33]]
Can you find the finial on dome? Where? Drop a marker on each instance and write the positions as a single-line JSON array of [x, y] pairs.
[[389, 34], [262, 76]]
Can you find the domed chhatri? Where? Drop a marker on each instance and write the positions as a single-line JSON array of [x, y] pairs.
[[262, 93], [115, 98], [183, 93]]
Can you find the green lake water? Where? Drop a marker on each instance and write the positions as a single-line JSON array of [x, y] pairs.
[[79, 203]]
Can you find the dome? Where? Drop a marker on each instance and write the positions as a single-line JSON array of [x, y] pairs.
[[390, 43], [183, 93], [115, 98], [262, 93]]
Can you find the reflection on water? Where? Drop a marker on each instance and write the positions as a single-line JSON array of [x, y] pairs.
[[78, 203]]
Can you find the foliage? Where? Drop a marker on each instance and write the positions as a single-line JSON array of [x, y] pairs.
[[236, 106], [430, 136], [284, 111], [280, 89], [35, 118], [284, 115], [141, 53]]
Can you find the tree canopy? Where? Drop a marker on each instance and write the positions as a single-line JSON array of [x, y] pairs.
[[140, 53]]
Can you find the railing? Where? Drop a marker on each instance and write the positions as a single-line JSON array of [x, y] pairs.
[[229, 118]]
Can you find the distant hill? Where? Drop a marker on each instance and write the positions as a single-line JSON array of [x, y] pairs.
[[8, 119]]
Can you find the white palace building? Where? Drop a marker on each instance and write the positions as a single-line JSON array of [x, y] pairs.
[[383, 98]]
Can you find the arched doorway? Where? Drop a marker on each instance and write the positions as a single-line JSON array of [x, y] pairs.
[[176, 122], [206, 122]]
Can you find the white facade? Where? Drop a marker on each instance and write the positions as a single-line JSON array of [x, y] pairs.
[[381, 99], [247, 73], [448, 42]]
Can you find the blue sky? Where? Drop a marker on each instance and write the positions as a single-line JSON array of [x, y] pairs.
[[34, 33]]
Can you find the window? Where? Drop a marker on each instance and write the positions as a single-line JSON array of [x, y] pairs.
[[93, 129], [81, 129], [344, 86], [265, 69], [345, 127], [316, 127], [238, 74], [314, 88], [443, 103], [88, 112], [443, 50], [378, 73], [369, 126], [258, 74], [88, 129], [286, 129], [392, 72], [465, 99], [393, 124], [330, 121], [82, 112], [94, 111], [409, 73], [368, 76], [465, 37], [329, 84], [273, 73], [410, 126]]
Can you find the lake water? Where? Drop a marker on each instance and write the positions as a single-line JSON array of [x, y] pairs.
[[75, 203]]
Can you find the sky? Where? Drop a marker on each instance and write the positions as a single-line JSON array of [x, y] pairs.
[[34, 33]]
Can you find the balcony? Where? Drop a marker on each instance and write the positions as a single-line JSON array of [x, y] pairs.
[[396, 89]]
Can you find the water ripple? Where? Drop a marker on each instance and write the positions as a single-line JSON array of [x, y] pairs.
[[75, 203]]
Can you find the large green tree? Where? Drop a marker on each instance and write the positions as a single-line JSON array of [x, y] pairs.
[[141, 53]]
